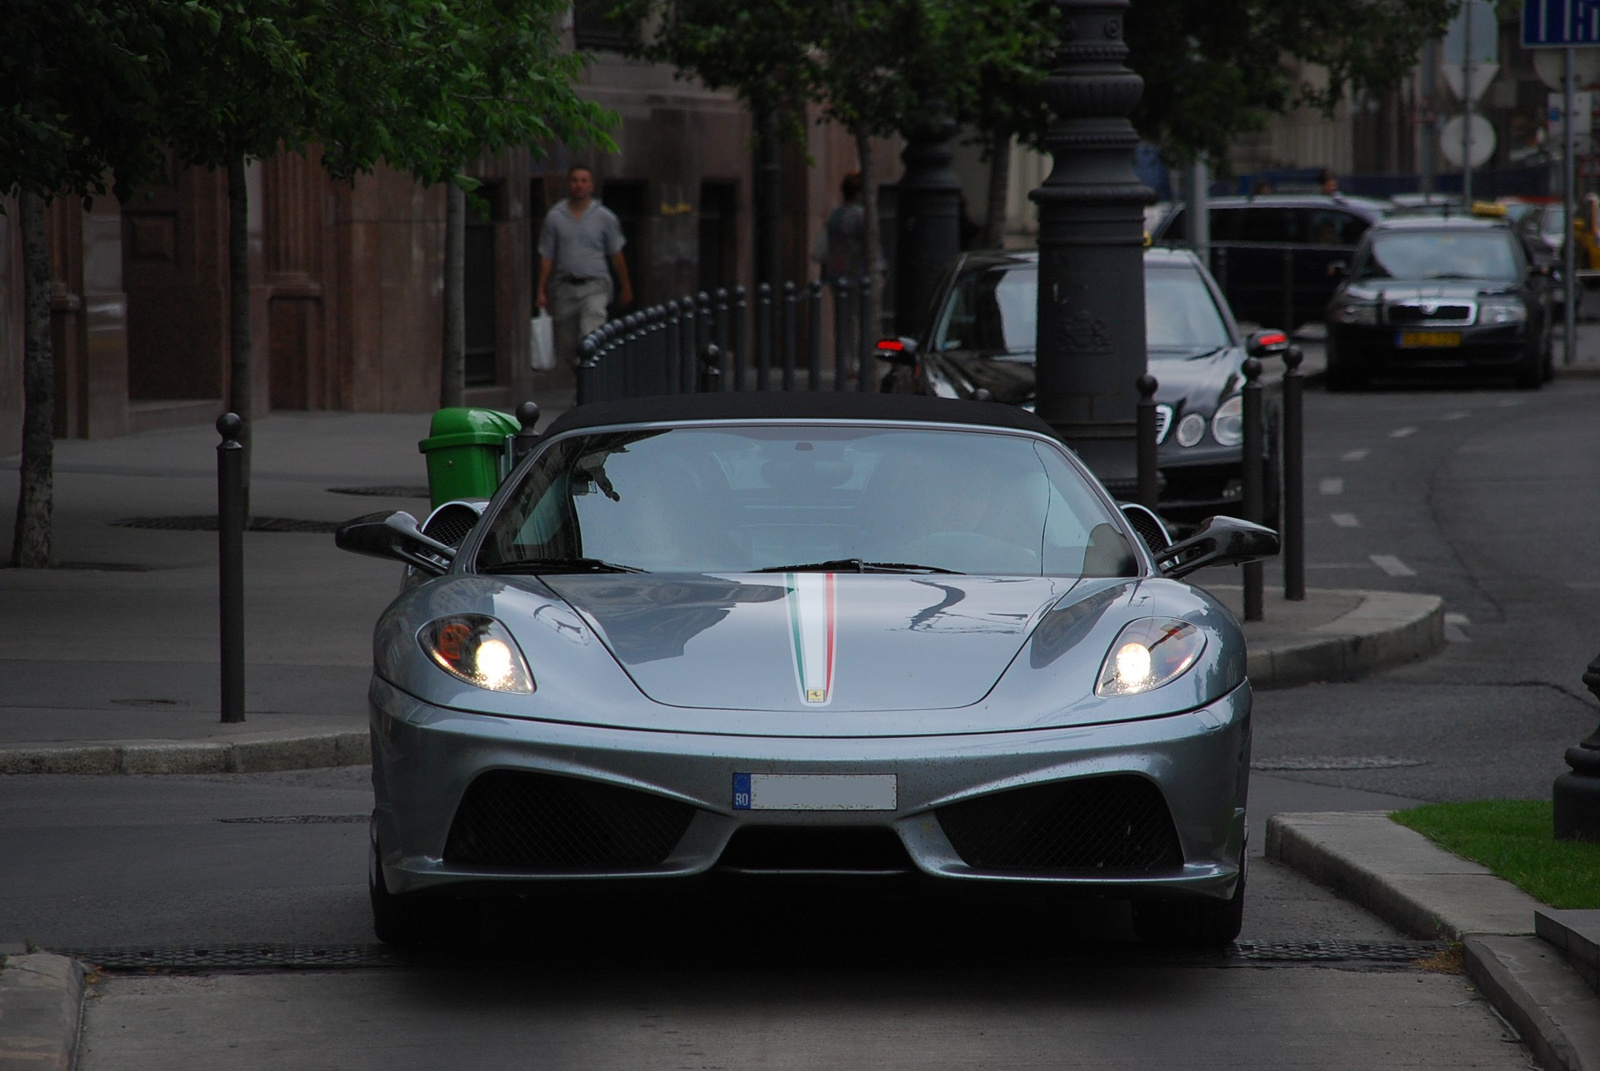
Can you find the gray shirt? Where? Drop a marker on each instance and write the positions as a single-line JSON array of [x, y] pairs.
[[580, 247]]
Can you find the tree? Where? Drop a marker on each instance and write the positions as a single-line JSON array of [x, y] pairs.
[[80, 91], [1212, 72]]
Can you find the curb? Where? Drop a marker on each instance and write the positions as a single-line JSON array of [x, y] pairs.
[[1387, 629], [255, 753], [1425, 891], [41, 997]]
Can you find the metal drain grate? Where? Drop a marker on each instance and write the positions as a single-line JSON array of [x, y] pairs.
[[237, 957], [386, 491], [296, 819], [208, 523], [1336, 762], [1394, 953]]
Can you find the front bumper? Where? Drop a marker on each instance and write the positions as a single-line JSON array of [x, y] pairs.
[[1375, 350], [426, 757]]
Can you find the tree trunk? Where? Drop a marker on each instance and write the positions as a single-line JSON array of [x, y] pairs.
[[453, 370], [241, 382], [30, 548], [870, 316], [994, 222], [768, 209]]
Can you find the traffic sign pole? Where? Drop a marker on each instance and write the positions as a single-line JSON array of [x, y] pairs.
[[1569, 183]]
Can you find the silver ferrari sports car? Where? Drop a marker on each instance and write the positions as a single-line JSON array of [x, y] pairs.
[[790, 633]]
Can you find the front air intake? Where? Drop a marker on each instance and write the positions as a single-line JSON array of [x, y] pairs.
[[531, 821], [1098, 824]]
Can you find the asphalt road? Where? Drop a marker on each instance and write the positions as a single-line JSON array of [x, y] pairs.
[[1486, 497]]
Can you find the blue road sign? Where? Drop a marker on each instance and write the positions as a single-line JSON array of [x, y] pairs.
[[1559, 23]]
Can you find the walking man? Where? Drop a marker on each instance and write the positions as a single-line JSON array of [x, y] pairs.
[[581, 237]]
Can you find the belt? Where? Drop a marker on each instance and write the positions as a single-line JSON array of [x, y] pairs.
[[576, 279]]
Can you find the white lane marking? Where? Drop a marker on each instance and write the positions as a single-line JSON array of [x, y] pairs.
[[1355, 455], [1332, 485], [1507, 403], [1392, 565], [1459, 414], [1345, 520], [1338, 565], [1584, 585], [1455, 626], [1401, 433]]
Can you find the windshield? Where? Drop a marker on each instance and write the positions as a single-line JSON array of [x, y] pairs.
[[995, 311], [1488, 255], [774, 497]]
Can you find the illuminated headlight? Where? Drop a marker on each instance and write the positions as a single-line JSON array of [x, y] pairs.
[[1507, 310], [1149, 653], [1354, 312], [1191, 429], [1227, 426], [478, 650]]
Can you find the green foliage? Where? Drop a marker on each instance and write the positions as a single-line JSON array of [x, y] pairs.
[[1515, 839], [1212, 71]]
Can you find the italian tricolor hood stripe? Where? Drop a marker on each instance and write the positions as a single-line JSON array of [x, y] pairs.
[[811, 628]]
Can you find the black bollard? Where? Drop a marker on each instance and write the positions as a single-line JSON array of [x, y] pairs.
[[1576, 794], [523, 442], [1149, 472], [1294, 477], [230, 562], [711, 370], [1254, 504]]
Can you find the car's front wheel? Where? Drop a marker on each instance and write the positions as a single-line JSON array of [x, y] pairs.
[[1190, 923]]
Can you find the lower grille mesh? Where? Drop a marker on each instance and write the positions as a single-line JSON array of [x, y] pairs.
[[1098, 824], [538, 822]]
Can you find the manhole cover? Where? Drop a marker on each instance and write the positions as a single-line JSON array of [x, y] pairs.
[[208, 523], [102, 567], [296, 819], [146, 703], [383, 491], [1336, 762], [237, 957]]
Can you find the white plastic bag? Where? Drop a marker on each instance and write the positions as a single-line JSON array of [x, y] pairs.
[[542, 351]]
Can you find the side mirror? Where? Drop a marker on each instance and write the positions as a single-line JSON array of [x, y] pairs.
[[898, 350], [1267, 343], [1219, 541], [395, 535]]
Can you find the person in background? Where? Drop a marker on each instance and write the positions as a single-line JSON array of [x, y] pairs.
[[579, 247], [1586, 232], [1328, 181], [841, 246]]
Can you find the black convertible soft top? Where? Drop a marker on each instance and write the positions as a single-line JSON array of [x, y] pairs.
[[804, 405]]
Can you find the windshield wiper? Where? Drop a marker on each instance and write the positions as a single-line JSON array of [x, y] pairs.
[[857, 565], [559, 565]]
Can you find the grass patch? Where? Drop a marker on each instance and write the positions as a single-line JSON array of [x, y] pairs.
[[1516, 841]]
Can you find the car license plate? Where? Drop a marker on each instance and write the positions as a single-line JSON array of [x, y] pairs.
[[815, 792], [1427, 339]]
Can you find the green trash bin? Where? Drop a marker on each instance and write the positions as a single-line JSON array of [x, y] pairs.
[[466, 452]]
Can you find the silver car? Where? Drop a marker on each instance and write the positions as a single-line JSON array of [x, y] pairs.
[[856, 634]]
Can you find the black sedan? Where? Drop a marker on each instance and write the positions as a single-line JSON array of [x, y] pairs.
[[980, 344], [1440, 294]]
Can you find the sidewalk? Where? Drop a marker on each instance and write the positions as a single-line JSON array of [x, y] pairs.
[[110, 665]]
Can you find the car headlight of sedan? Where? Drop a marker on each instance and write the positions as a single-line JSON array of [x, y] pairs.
[[1227, 426], [1361, 313], [1502, 310], [1149, 653], [476, 649]]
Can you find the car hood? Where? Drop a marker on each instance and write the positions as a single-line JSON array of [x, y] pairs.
[[803, 641], [1201, 381], [1424, 289]]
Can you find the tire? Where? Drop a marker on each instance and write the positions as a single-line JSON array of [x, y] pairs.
[[1339, 378], [1207, 924], [1530, 373], [399, 921]]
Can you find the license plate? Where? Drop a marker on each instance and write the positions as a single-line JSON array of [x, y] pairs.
[[815, 792], [1427, 339]]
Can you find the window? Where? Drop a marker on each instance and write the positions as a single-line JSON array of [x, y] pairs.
[[593, 27]]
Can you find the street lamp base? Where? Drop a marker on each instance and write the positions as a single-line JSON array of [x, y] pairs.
[[1576, 797]]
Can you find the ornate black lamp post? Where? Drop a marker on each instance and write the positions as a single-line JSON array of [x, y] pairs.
[[1091, 344], [1576, 794], [928, 220]]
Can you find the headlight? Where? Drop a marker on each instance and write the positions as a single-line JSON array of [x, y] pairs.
[[1227, 427], [1505, 310], [1354, 312], [478, 650], [1190, 429], [1149, 653]]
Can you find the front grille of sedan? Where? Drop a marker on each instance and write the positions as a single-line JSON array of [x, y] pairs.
[[530, 821], [1429, 314], [1097, 824]]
